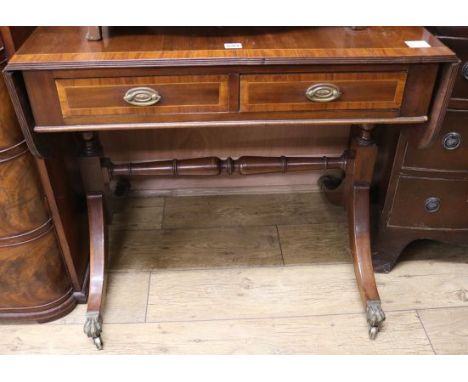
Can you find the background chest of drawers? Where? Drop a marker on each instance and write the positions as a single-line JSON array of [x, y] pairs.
[[427, 195]]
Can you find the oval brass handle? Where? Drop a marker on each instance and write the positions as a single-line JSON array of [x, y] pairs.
[[323, 93], [142, 96]]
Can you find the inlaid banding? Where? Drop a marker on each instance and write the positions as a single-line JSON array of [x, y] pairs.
[[28, 236], [14, 151]]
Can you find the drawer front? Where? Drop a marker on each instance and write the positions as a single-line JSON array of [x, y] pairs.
[[430, 203], [143, 95], [460, 47], [449, 152], [322, 91]]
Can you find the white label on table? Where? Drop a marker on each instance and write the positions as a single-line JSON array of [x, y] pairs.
[[232, 45], [417, 44]]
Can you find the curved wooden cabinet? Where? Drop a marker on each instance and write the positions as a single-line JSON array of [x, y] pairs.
[[34, 283]]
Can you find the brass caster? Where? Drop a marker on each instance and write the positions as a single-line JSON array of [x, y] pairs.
[[93, 328], [375, 317], [373, 331], [98, 342]]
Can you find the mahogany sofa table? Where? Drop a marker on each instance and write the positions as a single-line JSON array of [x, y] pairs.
[[67, 89]]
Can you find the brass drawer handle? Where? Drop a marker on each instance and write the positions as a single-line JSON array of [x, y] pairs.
[[451, 141], [323, 93], [432, 204], [142, 96]]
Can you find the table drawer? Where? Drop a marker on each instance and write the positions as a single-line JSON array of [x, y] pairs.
[[449, 152], [322, 91], [143, 95], [428, 203]]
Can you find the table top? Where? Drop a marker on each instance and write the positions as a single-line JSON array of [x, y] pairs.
[[67, 47]]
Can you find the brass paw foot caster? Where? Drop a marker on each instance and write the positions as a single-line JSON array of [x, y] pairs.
[[93, 329], [375, 317], [98, 342]]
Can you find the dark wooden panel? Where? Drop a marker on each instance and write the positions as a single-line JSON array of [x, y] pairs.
[[460, 47], [62, 185], [13, 37], [421, 80], [439, 158], [441, 31], [10, 133], [412, 193]]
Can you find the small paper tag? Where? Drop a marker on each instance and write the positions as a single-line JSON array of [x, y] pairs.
[[232, 45], [417, 44]]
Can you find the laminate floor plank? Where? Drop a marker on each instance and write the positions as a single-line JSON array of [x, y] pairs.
[[138, 214], [125, 300], [447, 329], [424, 284], [337, 334], [241, 210], [298, 291], [195, 248], [252, 293], [315, 243]]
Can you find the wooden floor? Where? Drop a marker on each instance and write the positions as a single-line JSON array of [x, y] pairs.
[[258, 274]]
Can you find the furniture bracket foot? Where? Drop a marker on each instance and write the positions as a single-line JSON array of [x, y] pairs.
[[93, 328], [375, 317]]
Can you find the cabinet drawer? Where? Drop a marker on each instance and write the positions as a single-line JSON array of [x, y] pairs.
[[427, 203], [143, 95], [449, 152], [322, 91]]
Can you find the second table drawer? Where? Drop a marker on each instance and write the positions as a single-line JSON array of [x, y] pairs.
[[322, 91], [143, 95]]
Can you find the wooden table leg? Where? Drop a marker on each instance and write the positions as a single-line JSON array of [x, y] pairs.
[[359, 177], [98, 249]]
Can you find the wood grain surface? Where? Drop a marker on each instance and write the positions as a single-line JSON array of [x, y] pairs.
[[34, 282], [447, 329], [232, 210], [195, 248], [179, 46]]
